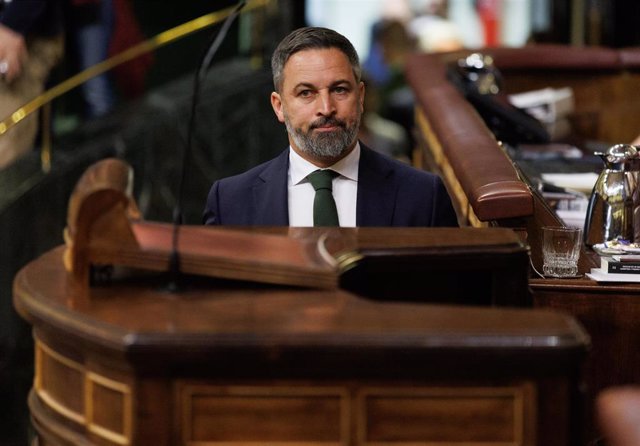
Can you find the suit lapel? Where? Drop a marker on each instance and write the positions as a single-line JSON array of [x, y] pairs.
[[270, 193], [376, 190]]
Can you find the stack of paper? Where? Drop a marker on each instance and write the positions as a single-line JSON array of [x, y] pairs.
[[551, 106], [618, 268], [581, 182], [599, 275]]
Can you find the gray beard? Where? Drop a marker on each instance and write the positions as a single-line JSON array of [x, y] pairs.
[[325, 144]]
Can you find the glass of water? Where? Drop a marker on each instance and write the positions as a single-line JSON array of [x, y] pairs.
[[560, 251]]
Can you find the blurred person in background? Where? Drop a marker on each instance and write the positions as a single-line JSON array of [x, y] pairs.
[[90, 26], [395, 101], [431, 29], [378, 72], [383, 135], [98, 30], [31, 44]]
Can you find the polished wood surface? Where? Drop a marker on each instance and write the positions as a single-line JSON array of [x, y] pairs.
[[105, 229], [127, 362], [605, 85], [44, 292], [610, 313]]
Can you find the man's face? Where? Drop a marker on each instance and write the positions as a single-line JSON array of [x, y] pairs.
[[320, 102]]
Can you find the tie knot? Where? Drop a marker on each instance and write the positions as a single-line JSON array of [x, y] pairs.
[[321, 179]]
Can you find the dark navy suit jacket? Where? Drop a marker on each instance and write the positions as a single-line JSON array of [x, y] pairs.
[[390, 193]]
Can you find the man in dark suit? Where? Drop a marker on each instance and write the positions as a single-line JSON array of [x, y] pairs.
[[319, 97]]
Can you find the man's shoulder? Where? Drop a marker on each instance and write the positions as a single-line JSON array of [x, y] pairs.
[[385, 163], [249, 176]]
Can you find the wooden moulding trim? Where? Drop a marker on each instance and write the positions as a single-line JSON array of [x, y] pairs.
[[474, 220], [267, 443], [454, 186], [523, 407], [92, 380], [509, 193], [50, 429], [188, 391], [41, 350], [430, 137], [441, 161]]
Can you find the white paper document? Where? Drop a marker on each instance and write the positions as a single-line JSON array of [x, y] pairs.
[[600, 276], [581, 182]]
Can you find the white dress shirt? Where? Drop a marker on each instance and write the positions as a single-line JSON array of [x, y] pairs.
[[301, 193]]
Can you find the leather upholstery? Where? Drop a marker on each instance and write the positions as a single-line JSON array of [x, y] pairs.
[[485, 173]]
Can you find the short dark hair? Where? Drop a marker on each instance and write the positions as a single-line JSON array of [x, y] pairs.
[[311, 38]]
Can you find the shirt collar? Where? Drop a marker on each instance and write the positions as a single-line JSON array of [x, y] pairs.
[[299, 167]]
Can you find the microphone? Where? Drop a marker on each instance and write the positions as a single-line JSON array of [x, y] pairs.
[[203, 66]]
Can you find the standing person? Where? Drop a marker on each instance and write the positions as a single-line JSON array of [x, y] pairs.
[[31, 43], [90, 23], [319, 97]]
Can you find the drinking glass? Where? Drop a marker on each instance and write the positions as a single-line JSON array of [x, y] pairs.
[[561, 250]]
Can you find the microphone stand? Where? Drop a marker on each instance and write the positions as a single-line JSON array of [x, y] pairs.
[[212, 49]]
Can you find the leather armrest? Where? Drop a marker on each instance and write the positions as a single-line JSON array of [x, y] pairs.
[[485, 173]]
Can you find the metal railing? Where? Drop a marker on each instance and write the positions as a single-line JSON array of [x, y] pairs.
[[147, 46]]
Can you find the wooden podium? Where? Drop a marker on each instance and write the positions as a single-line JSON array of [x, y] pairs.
[[360, 354], [229, 363]]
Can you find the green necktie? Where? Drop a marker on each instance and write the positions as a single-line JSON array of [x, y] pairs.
[[324, 206]]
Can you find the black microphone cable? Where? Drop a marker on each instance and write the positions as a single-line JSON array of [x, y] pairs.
[[212, 49]]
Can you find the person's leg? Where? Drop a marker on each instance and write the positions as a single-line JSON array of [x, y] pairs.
[[92, 41]]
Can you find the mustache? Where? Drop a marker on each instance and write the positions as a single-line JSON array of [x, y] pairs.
[[327, 120]]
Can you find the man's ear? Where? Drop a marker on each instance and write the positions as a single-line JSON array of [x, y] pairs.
[[362, 92], [276, 103]]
